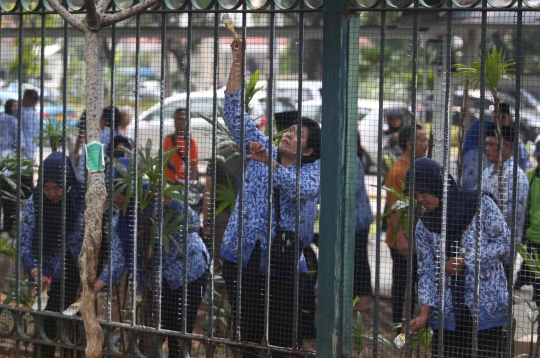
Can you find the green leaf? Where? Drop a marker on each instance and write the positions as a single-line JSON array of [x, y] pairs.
[[532, 263], [225, 197], [496, 68]]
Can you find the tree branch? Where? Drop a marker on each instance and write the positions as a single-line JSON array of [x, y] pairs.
[[103, 5], [66, 15], [110, 19], [92, 16]]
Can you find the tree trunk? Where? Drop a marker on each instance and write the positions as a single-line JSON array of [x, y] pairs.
[[96, 195]]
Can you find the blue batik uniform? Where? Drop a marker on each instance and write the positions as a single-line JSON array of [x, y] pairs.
[[255, 191], [470, 155], [495, 244]]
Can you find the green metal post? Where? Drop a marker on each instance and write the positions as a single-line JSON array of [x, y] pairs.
[[334, 277], [350, 181]]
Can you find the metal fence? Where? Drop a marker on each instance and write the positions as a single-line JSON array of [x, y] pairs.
[[172, 282]]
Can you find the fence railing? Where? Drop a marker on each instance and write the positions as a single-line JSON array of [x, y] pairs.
[[188, 255]]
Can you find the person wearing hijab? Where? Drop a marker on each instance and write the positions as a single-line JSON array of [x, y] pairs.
[[173, 259], [52, 222], [459, 270]]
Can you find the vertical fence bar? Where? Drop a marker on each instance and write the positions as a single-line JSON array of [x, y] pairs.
[[135, 182], [186, 187], [40, 175], [333, 160], [159, 204], [298, 166], [210, 347], [63, 217], [411, 209], [382, 59], [445, 160], [269, 117], [112, 126], [18, 174], [483, 59], [64, 184], [513, 229], [111, 198], [65, 61], [239, 258]]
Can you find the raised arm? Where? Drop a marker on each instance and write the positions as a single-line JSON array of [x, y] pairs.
[[27, 234], [234, 82], [232, 111]]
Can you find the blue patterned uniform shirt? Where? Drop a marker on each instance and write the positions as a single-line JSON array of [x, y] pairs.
[[470, 159], [255, 191], [491, 184], [52, 261], [30, 128], [495, 248], [8, 133], [308, 215], [172, 261]]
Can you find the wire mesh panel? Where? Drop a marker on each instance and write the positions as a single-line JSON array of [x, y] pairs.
[[219, 196]]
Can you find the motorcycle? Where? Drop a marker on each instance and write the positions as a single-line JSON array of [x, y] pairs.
[[195, 193]]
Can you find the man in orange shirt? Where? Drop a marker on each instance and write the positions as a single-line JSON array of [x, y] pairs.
[[398, 243], [178, 139]]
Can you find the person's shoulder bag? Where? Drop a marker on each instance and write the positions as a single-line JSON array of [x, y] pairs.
[[284, 254]]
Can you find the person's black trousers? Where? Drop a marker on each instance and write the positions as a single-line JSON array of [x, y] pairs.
[[171, 309], [458, 343], [362, 271], [252, 304], [53, 305], [399, 284]]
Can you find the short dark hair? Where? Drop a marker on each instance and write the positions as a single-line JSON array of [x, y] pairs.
[[8, 106], [314, 140], [286, 119], [405, 135], [508, 132], [31, 93], [119, 139], [181, 109], [108, 113], [504, 108]]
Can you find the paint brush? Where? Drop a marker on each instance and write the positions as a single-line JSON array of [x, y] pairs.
[[229, 24]]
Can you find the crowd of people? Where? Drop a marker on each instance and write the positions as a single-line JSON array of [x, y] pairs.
[[287, 175]]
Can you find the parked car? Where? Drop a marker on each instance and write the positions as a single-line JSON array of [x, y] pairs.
[[530, 116], [368, 125], [527, 101], [311, 90], [201, 106]]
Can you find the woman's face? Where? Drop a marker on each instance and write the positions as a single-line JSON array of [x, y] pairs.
[[395, 121], [52, 191], [289, 142], [119, 201], [428, 201]]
